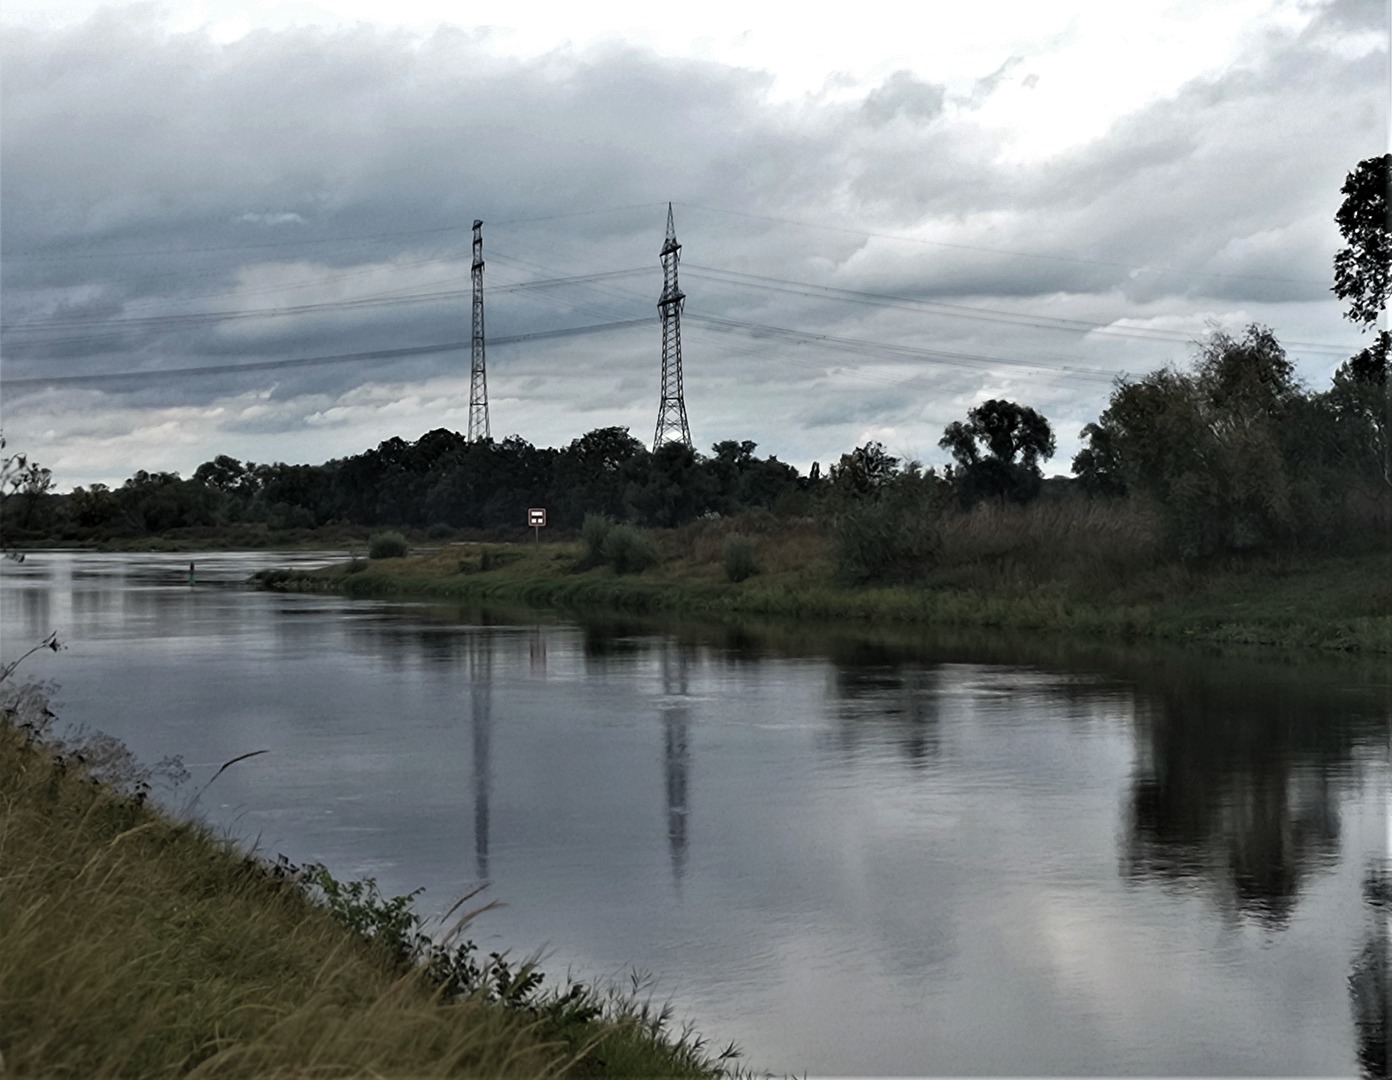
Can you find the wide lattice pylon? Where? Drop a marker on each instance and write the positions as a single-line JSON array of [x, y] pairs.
[[478, 374], [671, 411]]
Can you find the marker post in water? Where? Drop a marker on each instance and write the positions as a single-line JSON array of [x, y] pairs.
[[536, 518]]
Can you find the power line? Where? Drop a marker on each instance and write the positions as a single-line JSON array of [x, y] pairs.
[[964, 311], [381, 300], [313, 361], [999, 251], [352, 238], [604, 311], [611, 319], [909, 352], [440, 230]]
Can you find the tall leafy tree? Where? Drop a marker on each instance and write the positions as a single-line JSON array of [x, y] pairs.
[[864, 471], [998, 450], [1214, 448], [1097, 465], [23, 480], [1363, 269], [1361, 396]]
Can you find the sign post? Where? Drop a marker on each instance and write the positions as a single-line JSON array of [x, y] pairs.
[[536, 518]]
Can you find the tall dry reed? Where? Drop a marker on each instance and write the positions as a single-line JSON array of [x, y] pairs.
[[1099, 544]]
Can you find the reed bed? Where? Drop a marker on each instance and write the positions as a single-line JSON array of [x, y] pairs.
[[1099, 544]]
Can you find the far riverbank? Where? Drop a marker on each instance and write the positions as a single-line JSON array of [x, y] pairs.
[[1332, 602]]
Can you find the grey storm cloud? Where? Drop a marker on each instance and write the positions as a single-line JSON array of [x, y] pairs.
[[160, 189]]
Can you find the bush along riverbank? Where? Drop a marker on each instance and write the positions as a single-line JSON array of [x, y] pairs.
[[136, 944], [1086, 568]]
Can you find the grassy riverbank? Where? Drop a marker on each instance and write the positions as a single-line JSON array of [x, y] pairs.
[[133, 944], [1098, 584]]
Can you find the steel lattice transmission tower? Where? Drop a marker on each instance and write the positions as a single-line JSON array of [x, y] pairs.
[[478, 376], [671, 413]]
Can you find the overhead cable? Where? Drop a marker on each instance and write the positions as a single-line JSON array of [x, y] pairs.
[[997, 251], [310, 361], [963, 311]]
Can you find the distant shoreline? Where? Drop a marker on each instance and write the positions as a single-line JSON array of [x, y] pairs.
[[1329, 603]]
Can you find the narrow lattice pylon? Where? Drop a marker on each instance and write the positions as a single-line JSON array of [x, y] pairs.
[[478, 375], [671, 411]]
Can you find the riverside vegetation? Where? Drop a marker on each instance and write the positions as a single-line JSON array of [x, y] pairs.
[[136, 944], [1091, 568]]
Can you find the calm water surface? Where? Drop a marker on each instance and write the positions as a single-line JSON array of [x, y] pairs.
[[850, 854]]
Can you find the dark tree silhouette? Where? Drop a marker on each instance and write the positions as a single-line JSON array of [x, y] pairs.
[[864, 471], [998, 450], [1098, 464], [1363, 270]]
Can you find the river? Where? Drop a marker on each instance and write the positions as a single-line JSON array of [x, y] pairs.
[[852, 853]]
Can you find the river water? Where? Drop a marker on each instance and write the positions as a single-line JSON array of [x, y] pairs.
[[852, 853]]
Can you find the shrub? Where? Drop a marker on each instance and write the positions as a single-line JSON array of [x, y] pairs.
[[495, 558], [387, 545], [740, 558], [892, 538], [275, 578], [439, 531], [594, 530], [628, 550]]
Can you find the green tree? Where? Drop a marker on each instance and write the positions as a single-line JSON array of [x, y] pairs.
[[1359, 435], [1098, 465], [1361, 396], [157, 502], [1363, 269], [1210, 446], [998, 450], [592, 475], [227, 474], [24, 482], [745, 481], [670, 486], [93, 507], [864, 471]]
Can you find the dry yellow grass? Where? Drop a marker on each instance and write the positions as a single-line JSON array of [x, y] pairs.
[[135, 945], [1099, 542]]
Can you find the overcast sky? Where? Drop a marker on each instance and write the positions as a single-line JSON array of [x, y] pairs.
[[884, 222]]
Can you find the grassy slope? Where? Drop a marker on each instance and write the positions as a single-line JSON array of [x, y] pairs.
[[1340, 602], [135, 945]]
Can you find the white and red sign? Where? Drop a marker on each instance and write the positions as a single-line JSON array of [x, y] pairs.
[[536, 517]]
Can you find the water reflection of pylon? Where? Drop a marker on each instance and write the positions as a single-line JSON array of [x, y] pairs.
[[676, 717], [481, 703], [538, 651]]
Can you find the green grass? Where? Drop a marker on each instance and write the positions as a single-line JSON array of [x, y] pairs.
[[134, 944], [1089, 572]]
